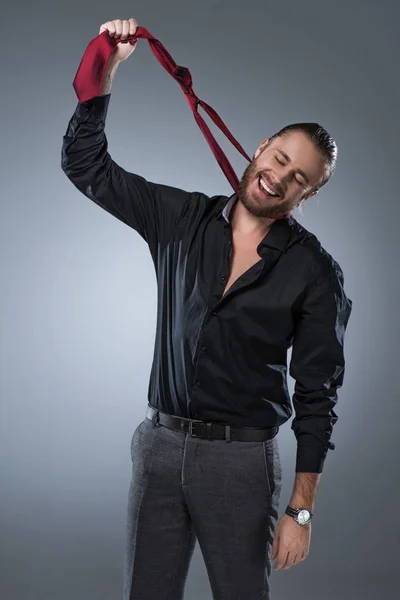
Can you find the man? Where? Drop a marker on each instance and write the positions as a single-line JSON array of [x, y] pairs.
[[240, 281]]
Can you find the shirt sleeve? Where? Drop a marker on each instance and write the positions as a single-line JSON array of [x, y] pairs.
[[151, 209], [317, 366]]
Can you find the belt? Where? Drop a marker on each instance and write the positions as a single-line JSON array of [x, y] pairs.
[[211, 430]]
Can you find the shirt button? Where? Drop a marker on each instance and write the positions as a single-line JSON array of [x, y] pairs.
[[223, 278], [204, 348], [198, 383]]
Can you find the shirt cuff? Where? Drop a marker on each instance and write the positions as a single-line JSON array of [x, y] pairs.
[[94, 109], [311, 458]]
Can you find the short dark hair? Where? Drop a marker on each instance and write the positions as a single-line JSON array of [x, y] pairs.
[[323, 142]]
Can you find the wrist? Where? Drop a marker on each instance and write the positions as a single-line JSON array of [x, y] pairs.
[[112, 65], [301, 503], [108, 78]]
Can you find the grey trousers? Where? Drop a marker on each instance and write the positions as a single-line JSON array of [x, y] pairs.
[[183, 489]]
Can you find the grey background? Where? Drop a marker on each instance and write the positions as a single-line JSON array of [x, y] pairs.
[[78, 292]]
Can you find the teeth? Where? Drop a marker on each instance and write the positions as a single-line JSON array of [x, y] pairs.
[[266, 188]]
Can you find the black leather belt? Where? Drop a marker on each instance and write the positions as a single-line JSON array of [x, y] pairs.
[[211, 430]]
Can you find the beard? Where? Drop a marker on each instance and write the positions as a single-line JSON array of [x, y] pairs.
[[267, 208]]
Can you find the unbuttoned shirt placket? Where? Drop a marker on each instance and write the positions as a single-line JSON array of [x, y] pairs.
[[218, 300]]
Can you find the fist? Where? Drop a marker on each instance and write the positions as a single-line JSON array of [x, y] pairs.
[[121, 30]]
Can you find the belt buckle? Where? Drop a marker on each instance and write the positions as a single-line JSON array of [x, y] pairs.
[[191, 431], [208, 426]]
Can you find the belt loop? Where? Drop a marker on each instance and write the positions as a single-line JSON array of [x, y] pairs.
[[156, 418], [227, 433]]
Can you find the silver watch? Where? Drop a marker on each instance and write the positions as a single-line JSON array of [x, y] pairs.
[[302, 516]]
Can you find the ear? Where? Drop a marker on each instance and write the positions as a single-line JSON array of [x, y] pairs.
[[260, 147]]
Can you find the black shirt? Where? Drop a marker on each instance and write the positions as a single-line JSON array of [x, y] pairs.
[[224, 358]]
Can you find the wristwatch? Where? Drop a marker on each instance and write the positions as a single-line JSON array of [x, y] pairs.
[[302, 516]]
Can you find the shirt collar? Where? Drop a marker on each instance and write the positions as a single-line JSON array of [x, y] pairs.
[[228, 207], [279, 233]]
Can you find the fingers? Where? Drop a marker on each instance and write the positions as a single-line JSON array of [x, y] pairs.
[[290, 561], [132, 26], [119, 28], [281, 560], [125, 30], [110, 26], [287, 559]]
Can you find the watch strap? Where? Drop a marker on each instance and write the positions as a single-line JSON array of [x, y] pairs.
[[293, 512]]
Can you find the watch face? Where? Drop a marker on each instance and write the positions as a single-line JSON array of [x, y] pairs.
[[303, 516]]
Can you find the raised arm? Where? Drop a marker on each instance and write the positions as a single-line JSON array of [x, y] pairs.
[[149, 208]]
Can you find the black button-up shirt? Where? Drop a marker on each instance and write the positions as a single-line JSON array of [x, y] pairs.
[[224, 357]]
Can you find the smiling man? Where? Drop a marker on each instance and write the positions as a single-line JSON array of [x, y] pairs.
[[287, 169], [239, 282]]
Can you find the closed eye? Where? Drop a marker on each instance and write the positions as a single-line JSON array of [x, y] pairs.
[[300, 182]]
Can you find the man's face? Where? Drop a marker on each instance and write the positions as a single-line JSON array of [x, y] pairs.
[[290, 166]]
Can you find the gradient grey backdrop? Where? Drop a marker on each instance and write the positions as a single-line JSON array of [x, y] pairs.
[[78, 290]]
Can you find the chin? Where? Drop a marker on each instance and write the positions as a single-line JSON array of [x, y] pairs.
[[260, 209]]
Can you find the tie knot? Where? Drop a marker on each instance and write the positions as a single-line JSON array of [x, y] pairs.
[[183, 77]]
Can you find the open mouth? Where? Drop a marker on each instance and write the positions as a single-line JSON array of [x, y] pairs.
[[266, 189]]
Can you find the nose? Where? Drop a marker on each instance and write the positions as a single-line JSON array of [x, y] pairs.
[[284, 178], [278, 183]]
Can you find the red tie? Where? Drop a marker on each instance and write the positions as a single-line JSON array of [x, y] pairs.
[[89, 80]]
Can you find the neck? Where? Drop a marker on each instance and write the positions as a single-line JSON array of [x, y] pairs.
[[246, 224]]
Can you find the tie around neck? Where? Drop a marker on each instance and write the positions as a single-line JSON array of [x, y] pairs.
[[89, 78]]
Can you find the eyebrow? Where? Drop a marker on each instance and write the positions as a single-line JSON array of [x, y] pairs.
[[289, 160]]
